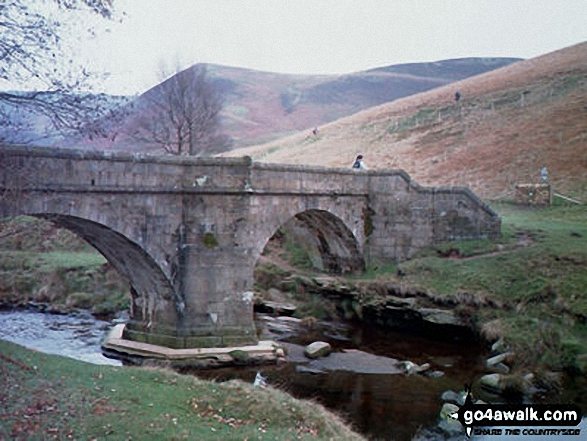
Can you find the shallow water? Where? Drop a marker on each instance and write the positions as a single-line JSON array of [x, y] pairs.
[[380, 405], [74, 336], [383, 406]]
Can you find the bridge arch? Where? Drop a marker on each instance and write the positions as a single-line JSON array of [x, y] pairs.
[[152, 294], [330, 243]]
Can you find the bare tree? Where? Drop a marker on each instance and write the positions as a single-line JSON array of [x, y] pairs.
[[33, 54], [15, 128], [181, 115]]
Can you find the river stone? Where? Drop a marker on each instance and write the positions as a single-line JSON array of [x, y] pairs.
[[499, 368], [282, 325], [424, 367], [450, 396], [492, 382], [290, 320], [409, 367], [359, 362], [497, 359], [400, 301], [448, 409], [434, 374], [448, 423], [317, 349], [439, 316], [412, 368], [323, 280], [499, 346], [277, 307]]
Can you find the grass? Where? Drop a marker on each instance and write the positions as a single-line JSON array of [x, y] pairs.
[[265, 153], [52, 397], [297, 256], [528, 286], [532, 283], [61, 259], [41, 263]]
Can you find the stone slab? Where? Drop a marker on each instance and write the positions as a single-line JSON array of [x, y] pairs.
[[264, 351]]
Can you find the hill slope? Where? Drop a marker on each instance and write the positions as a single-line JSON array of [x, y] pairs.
[[508, 124], [262, 106]]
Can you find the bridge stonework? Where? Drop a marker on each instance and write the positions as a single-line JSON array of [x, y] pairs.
[[186, 232]]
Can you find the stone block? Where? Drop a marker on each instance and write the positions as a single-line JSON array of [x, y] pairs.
[[236, 340], [439, 316], [500, 358], [202, 342], [168, 341]]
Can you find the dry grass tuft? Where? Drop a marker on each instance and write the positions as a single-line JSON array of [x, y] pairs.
[[493, 330]]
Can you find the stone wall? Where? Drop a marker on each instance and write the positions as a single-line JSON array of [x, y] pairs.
[[404, 217], [533, 194]]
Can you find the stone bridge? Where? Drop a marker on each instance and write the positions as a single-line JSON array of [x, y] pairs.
[[187, 232]]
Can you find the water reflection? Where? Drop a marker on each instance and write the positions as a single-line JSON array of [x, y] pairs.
[[385, 406]]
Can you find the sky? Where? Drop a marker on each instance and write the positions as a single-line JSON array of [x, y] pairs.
[[322, 36]]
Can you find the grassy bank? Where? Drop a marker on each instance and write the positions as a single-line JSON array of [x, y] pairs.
[[529, 287], [44, 264], [51, 397]]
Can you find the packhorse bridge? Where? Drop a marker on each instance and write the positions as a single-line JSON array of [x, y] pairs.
[[186, 232]]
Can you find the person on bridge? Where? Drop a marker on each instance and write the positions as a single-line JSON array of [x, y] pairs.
[[359, 164]]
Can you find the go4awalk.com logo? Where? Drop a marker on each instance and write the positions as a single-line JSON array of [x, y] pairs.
[[519, 419]]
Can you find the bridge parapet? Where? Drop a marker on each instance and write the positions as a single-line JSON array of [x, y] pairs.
[[53, 168]]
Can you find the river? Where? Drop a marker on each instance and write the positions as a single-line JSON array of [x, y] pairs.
[[76, 336], [379, 403], [358, 384]]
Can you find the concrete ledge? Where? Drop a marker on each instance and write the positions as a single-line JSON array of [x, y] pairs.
[[116, 346]]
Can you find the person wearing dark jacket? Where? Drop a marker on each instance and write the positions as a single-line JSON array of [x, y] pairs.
[[359, 164]]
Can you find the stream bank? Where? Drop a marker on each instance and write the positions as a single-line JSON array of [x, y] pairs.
[[411, 312]]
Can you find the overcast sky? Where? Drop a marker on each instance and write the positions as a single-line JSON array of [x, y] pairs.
[[325, 36]]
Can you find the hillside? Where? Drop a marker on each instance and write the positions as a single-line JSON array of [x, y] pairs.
[[263, 106], [508, 124]]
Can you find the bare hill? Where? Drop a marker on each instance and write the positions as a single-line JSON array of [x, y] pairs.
[[507, 125], [263, 106]]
